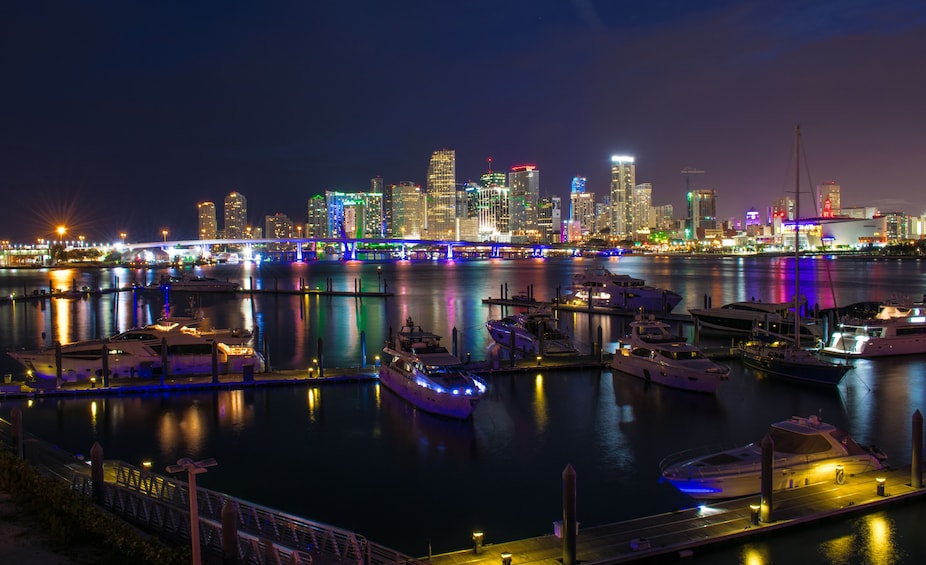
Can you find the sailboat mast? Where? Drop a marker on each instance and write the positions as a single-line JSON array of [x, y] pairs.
[[797, 237]]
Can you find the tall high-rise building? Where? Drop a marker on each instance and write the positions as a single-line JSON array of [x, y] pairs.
[[524, 192], [643, 211], [377, 187], [702, 212], [549, 219], [236, 216], [317, 224], [407, 210], [828, 191], [577, 189], [623, 179], [278, 226], [441, 196], [208, 227]]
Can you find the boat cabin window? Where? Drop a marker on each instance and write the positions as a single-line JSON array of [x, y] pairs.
[[791, 442], [681, 355], [642, 352]]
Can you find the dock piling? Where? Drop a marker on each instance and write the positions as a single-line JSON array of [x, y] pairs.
[[768, 454], [570, 526], [916, 467]]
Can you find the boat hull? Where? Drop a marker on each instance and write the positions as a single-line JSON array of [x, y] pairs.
[[847, 346], [527, 344], [793, 365], [696, 378], [429, 400], [784, 476]]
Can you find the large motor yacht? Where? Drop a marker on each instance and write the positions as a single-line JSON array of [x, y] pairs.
[[535, 332], [895, 330], [603, 288], [420, 370]]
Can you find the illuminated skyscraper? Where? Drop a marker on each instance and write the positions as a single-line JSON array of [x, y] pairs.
[[407, 208], [829, 190], [317, 226], [524, 192], [441, 196], [578, 188], [208, 227], [643, 210], [236, 216], [623, 180], [702, 212]]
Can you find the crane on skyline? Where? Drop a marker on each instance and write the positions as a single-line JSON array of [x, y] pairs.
[[688, 171]]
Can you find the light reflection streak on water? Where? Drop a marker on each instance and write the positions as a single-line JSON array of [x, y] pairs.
[[313, 403], [183, 435], [540, 405]]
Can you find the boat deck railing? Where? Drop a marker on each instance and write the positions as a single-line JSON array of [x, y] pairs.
[[698, 452]]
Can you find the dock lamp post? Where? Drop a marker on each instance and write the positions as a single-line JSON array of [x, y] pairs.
[[193, 468], [477, 541], [379, 277], [164, 233]]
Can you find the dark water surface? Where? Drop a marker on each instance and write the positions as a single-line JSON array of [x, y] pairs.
[[357, 457]]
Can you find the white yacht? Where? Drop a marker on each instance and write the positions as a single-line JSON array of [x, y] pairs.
[[139, 352], [895, 330], [652, 353], [535, 332], [623, 292], [420, 370], [747, 317], [806, 451], [197, 284]]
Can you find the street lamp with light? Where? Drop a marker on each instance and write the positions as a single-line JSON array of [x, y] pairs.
[[193, 468], [123, 236], [164, 233]]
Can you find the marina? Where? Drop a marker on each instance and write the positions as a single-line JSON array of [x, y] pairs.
[[611, 428]]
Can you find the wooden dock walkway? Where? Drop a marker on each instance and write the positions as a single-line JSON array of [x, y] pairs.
[[701, 528]]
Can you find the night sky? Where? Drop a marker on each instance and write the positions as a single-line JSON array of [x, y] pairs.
[[121, 116]]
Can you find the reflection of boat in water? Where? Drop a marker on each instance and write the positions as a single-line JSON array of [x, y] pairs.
[[139, 352], [654, 354], [197, 284], [535, 332], [623, 292], [420, 370], [895, 330], [806, 451]]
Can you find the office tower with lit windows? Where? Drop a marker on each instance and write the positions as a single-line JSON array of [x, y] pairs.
[[377, 187], [549, 219], [828, 204], [317, 224], [279, 226], [441, 196], [623, 181], [208, 226], [236, 216], [407, 210], [524, 192], [643, 211], [578, 188], [702, 213]]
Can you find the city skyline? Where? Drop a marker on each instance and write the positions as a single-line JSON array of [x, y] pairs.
[[126, 129]]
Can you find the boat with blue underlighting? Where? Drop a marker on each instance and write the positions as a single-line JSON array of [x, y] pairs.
[[806, 451], [419, 369]]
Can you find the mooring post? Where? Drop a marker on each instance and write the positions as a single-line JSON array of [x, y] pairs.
[[104, 365], [96, 471], [321, 358], [454, 342], [768, 450], [164, 368], [215, 362], [511, 345], [58, 361], [570, 526], [916, 467], [230, 533], [600, 344]]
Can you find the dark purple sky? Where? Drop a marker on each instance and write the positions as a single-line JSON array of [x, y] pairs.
[[122, 116]]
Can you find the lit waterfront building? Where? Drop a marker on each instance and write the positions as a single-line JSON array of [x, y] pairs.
[[354, 215], [317, 224], [828, 192], [407, 210], [549, 219], [377, 187], [623, 181], [643, 211], [664, 217], [602, 216], [279, 226], [441, 195], [236, 216], [207, 223], [491, 205], [524, 193], [702, 213]]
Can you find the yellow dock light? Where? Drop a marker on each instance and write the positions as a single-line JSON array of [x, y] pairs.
[[880, 482], [840, 475], [506, 558], [539, 359], [754, 514], [477, 541], [92, 382]]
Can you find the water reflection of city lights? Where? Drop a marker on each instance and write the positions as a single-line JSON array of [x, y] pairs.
[[540, 404], [755, 555], [879, 539]]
